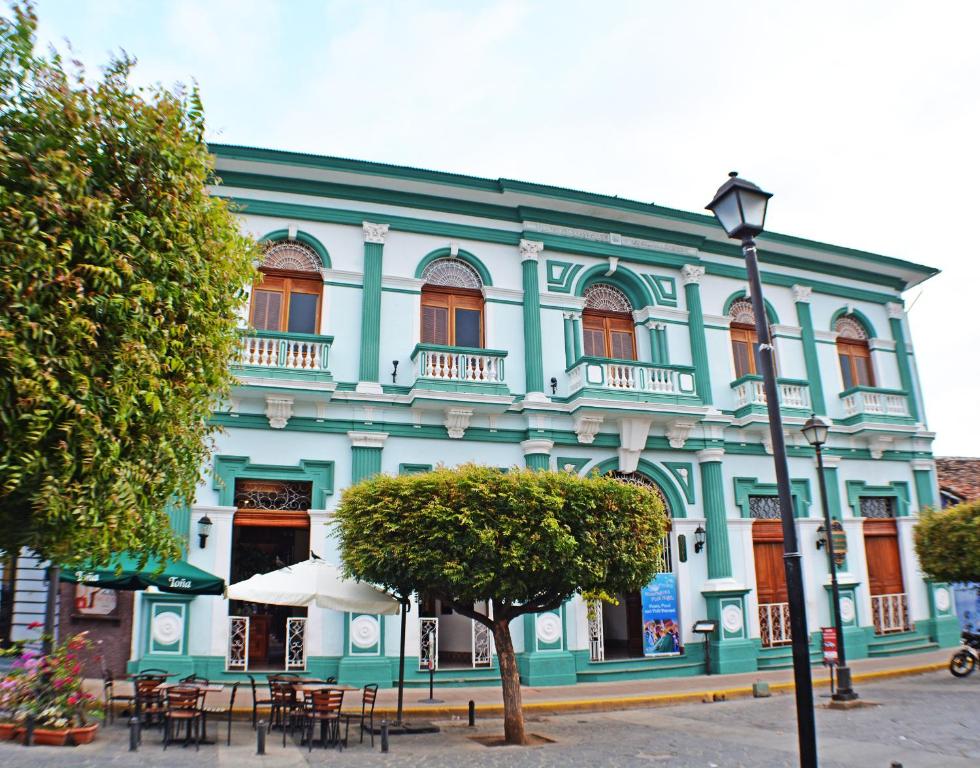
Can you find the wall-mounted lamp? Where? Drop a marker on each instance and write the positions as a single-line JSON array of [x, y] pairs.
[[840, 541], [554, 385], [394, 370], [204, 530], [698, 539]]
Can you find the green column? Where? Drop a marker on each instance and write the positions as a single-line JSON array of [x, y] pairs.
[[895, 315], [801, 294], [655, 353], [716, 522], [691, 276], [924, 484], [366, 454], [577, 335], [374, 239], [537, 453], [569, 340], [533, 363]]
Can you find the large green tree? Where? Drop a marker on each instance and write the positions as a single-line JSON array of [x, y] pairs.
[[524, 540], [120, 278], [948, 542]]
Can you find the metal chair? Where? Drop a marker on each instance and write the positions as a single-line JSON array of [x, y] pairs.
[[368, 698], [110, 697], [284, 704], [182, 705], [148, 699], [195, 680], [257, 702], [224, 711], [324, 709]]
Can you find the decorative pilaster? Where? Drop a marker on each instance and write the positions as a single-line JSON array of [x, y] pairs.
[[537, 453], [659, 354], [896, 314], [925, 483], [569, 326], [366, 454], [801, 295], [533, 362], [374, 243], [716, 522], [691, 278], [577, 335]]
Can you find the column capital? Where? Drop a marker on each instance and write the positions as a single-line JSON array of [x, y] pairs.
[[710, 455], [530, 249], [895, 310], [691, 274], [374, 233], [652, 324], [367, 439], [537, 446], [923, 465], [802, 293], [829, 462]]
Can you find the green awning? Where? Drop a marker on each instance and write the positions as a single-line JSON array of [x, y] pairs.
[[124, 572]]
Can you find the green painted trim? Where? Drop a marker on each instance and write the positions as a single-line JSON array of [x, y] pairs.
[[663, 288], [863, 418], [227, 469], [877, 390], [810, 358], [446, 253], [409, 291], [897, 490], [371, 314], [538, 461], [770, 310], [788, 281], [533, 358], [683, 473], [414, 469], [303, 237], [857, 315], [425, 347], [365, 462], [560, 275], [577, 336], [504, 301], [924, 488], [576, 464], [338, 284], [750, 486], [180, 521], [904, 369], [699, 343], [569, 331], [665, 481], [623, 278]]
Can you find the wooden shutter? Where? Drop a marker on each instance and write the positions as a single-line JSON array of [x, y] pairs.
[[435, 325], [593, 337], [266, 310], [622, 345], [743, 350], [855, 363]]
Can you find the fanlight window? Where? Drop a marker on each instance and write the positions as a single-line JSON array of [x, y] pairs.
[[853, 353], [287, 297], [741, 312], [291, 255], [607, 323], [452, 304], [745, 342]]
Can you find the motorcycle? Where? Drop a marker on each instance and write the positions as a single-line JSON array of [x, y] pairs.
[[967, 658]]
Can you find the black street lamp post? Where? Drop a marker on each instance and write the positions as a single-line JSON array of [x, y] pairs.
[[815, 431], [740, 208]]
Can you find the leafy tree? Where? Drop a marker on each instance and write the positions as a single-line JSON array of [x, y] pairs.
[[120, 278], [948, 542], [524, 540]]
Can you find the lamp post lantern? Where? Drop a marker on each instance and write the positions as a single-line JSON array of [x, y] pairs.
[[740, 207], [815, 431]]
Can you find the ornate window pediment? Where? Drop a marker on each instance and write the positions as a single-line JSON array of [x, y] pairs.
[[452, 273], [848, 327], [291, 255], [607, 298]]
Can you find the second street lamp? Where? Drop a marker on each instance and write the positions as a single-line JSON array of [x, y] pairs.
[[815, 431], [740, 207]]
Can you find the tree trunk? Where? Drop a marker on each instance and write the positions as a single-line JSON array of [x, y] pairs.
[[511, 683]]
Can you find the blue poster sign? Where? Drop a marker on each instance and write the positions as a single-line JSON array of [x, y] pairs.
[[966, 597], [661, 628]]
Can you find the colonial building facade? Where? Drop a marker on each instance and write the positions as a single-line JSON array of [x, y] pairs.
[[408, 318]]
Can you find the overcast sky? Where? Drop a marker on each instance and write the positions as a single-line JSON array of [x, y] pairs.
[[862, 117]]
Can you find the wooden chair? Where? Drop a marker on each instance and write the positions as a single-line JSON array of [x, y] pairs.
[[195, 680], [225, 712], [148, 699], [324, 709], [285, 704], [257, 703], [368, 698], [182, 705], [110, 696]]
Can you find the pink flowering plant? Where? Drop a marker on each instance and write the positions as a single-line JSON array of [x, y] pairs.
[[48, 686]]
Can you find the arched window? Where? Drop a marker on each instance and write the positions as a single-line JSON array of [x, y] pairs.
[[638, 478], [287, 297], [452, 304], [607, 323], [745, 343], [853, 353]]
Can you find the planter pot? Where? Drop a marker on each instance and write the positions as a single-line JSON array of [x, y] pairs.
[[7, 731], [84, 734], [46, 737]]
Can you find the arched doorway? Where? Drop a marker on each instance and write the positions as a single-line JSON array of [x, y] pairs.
[[618, 631]]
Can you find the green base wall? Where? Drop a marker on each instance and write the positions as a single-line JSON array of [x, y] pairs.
[[729, 657], [547, 668], [359, 672], [944, 630]]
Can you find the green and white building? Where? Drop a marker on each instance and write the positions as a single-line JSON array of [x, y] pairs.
[[408, 318]]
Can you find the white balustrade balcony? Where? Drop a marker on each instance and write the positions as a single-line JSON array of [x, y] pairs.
[[438, 364], [871, 401], [277, 350], [631, 376], [749, 391]]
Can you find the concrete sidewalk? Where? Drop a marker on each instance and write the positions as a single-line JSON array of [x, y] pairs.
[[626, 694]]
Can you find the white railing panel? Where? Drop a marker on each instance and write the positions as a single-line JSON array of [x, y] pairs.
[[428, 643], [597, 642], [482, 643], [774, 626], [459, 366], [296, 644], [289, 354], [625, 377], [890, 613], [237, 659], [753, 392], [875, 404]]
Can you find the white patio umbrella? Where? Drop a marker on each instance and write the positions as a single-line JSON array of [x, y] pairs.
[[313, 582]]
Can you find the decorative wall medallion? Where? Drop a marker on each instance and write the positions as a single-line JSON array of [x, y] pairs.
[[847, 609], [942, 599], [167, 628], [548, 628], [365, 632], [731, 618]]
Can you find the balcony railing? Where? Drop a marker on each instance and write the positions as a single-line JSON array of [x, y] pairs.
[[285, 351], [793, 393], [890, 613], [458, 364], [774, 626], [871, 401], [631, 376]]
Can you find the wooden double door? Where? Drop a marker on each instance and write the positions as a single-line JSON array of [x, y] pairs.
[[770, 573], [882, 555]]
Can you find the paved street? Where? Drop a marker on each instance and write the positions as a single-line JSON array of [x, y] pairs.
[[923, 722]]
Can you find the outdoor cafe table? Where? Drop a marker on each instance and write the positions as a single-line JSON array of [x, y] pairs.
[[308, 687], [209, 688]]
